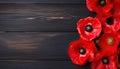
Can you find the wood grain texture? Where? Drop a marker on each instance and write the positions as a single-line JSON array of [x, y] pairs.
[[37, 36], [41, 17], [35, 45], [43, 1], [21, 64]]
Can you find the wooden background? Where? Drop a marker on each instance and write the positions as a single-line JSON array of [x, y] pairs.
[[35, 34]]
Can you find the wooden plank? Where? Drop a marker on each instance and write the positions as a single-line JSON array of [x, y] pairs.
[[41, 17], [42, 1], [35, 45], [31, 64]]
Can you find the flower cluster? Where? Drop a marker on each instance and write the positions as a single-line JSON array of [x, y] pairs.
[[99, 41]]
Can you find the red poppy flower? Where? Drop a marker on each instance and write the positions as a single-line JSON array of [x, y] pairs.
[[89, 28], [104, 60], [101, 7], [80, 51], [109, 40], [110, 23]]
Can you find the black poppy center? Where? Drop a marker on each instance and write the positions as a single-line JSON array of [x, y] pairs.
[[110, 21], [88, 28], [102, 2], [82, 51], [105, 60]]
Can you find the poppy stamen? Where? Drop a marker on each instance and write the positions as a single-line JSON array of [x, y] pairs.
[[110, 41], [110, 21], [88, 28], [102, 2], [105, 60], [82, 51]]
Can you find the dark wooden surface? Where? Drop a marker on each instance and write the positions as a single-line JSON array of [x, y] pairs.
[[41, 17], [35, 45], [43, 1], [37, 36], [32, 64]]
